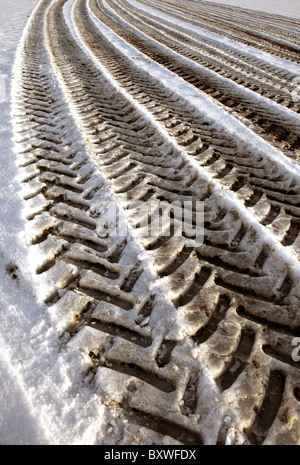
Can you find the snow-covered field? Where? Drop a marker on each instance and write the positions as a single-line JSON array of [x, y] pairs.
[[42, 400], [277, 7], [142, 340]]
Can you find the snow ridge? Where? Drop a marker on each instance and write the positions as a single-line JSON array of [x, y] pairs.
[[129, 118]]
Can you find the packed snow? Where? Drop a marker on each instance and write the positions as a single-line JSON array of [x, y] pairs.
[[43, 398]]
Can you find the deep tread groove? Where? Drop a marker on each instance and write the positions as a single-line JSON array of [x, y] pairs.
[[91, 130], [269, 408], [238, 360]]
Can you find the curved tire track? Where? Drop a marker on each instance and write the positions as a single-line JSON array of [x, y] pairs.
[[259, 35], [183, 338]]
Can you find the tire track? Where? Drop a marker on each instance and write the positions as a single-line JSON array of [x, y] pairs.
[[196, 137], [160, 320], [232, 49], [239, 31], [263, 118], [247, 74]]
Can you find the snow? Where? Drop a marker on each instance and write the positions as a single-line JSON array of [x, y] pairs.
[[43, 396], [197, 98], [16, 409], [278, 7], [248, 140], [247, 50], [43, 399]]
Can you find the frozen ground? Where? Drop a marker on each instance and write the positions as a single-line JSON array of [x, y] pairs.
[[45, 395]]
